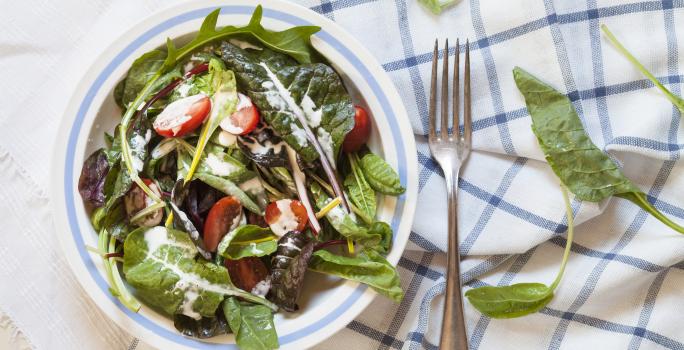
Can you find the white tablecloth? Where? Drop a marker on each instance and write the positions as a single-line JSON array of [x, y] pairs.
[[622, 288]]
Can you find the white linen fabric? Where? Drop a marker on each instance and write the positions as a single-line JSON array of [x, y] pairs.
[[621, 288]]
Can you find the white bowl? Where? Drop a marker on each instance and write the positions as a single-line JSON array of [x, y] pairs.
[[326, 304]]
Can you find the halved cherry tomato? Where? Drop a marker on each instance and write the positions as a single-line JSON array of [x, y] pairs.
[[182, 116], [245, 273], [286, 215], [136, 200], [359, 135], [244, 119], [223, 217]]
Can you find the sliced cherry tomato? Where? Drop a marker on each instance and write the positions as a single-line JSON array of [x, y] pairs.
[[136, 200], [182, 116], [286, 215], [359, 135], [244, 119], [245, 273], [223, 217]]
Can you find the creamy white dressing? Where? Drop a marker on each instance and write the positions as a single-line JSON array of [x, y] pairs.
[[336, 214], [227, 123], [188, 66], [163, 148], [137, 145], [252, 185], [254, 248], [190, 296], [244, 44], [155, 238], [287, 221], [219, 167], [184, 89], [257, 148], [313, 116], [289, 243], [262, 288], [299, 134], [174, 115], [326, 142], [226, 139]]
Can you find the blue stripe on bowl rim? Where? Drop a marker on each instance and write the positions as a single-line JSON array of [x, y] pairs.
[[104, 75]]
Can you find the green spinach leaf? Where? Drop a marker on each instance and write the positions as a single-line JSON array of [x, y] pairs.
[[588, 172], [160, 264], [380, 175], [522, 298], [360, 192], [252, 325], [510, 301], [293, 98], [247, 240], [142, 70], [367, 267], [230, 188]]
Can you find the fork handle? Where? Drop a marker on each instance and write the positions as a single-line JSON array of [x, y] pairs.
[[454, 335]]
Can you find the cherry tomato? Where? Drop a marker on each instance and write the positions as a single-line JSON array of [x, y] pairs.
[[359, 135], [244, 119], [223, 217], [286, 215], [182, 116], [136, 200], [245, 273]]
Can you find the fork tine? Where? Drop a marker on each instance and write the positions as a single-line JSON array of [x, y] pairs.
[[455, 102], [444, 130], [433, 95], [467, 118]]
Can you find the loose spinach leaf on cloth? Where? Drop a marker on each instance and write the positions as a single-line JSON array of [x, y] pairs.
[[587, 172], [91, 183], [522, 298], [510, 301], [160, 264], [288, 269], [289, 94], [380, 175], [252, 325], [367, 267], [247, 240]]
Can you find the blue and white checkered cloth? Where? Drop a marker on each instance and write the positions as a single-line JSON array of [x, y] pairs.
[[622, 288]]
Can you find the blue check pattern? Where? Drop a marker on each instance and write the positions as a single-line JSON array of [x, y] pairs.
[[576, 59]]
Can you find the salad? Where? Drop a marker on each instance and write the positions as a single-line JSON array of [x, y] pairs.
[[240, 165]]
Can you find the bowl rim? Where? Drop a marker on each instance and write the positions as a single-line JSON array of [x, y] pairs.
[[332, 35]]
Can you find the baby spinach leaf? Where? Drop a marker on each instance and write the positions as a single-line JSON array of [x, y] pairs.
[[380, 175], [247, 240], [588, 172], [142, 70], [252, 325], [360, 192], [437, 6], [300, 102], [230, 188], [343, 222], [510, 301], [91, 183], [367, 267], [676, 100], [288, 269], [522, 298], [385, 231], [160, 264]]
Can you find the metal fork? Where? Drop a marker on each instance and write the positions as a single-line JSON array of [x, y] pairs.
[[451, 150]]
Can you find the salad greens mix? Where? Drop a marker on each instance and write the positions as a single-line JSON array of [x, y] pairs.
[[239, 164]]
